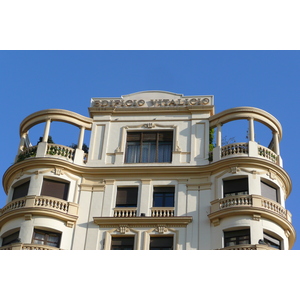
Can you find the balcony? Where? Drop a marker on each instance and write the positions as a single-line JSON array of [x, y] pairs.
[[20, 246], [54, 151], [248, 247], [40, 205], [251, 149]]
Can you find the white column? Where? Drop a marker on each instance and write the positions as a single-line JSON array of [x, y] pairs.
[[81, 137], [46, 131], [276, 143], [251, 130], [219, 135]]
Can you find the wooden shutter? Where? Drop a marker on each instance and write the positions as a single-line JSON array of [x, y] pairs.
[[161, 242], [236, 186], [21, 190], [57, 189]]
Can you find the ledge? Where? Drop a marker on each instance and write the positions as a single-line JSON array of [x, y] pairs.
[[143, 221]]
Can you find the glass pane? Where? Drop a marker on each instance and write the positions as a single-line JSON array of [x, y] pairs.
[[133, 152], [164, 152]]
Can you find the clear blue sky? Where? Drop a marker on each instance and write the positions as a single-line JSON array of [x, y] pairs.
[[37, 80]]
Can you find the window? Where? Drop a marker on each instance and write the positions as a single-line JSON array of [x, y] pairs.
[[269, 191], [12, 238], [236, 187], [236, 237], [149, 147], [271, 241], [122, 243], [163, 197], [161, 242], [48, 238], [127, 197], [21, 190], [57, 189]]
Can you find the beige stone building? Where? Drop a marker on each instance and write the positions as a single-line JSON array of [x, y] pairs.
[[152, 178]]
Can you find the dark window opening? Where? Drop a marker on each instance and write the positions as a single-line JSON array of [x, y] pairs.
[[127, 197], [149, 147], [161, 243], [57, 189], [237, 237], [122, 243], [12, 238], [269, 191], [21, 190], [236, 187], [163, 197], [48, 238], [271, 241]]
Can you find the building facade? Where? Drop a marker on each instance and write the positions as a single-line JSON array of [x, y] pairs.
[[155, 176]]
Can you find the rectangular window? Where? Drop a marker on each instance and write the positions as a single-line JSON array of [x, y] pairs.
[[122, 243], [57, 189], [236, 187], [149, 147], [12, 238], [268, 191], [237, 237], [271, 241], [161, 243], [127, 197], [163, 197], [48, 238], [21, 190]]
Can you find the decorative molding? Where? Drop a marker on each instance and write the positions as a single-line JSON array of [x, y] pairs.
[[216, 222], [287, 233], [161, 228], [28, 217], [70, 224], [123, 229], [256, 217]]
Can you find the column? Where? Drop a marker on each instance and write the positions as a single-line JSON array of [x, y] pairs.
[[46, 131], [81, 137], [276, 143], [219, 135], [251, 129]]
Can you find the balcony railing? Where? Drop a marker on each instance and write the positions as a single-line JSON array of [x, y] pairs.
[[251, 149], [20, 246], [162, 212], [55, 151], [249, 247], [43, 202], [249, 201], [125, 212]]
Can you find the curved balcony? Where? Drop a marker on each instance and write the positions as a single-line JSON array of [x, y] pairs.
[[248, 247], [40, 205], [251, 149]]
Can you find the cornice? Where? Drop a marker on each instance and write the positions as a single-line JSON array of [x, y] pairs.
[[143, 221]]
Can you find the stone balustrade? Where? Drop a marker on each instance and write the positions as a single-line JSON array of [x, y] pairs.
[[125, 212], [249, 201], [234, 149], [44, 202], [27, 153], [61, 151], [267, 153], [250, 149], [162, 212], [249, 247], [20, 246]]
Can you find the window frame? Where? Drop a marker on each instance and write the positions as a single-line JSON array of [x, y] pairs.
[[238, 234], [11, 235], [269, 186], [47, 234], [127, 203], [157, 237], [123, 237], [235, 191], [269, 240], [142, 141], [164, 191]]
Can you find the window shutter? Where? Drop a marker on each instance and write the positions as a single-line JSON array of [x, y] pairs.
[[268, 191], [57, 189], [236, 186], [127, 196], [21, 190]]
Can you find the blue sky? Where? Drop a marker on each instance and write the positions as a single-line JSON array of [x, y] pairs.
[[35, 80]]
